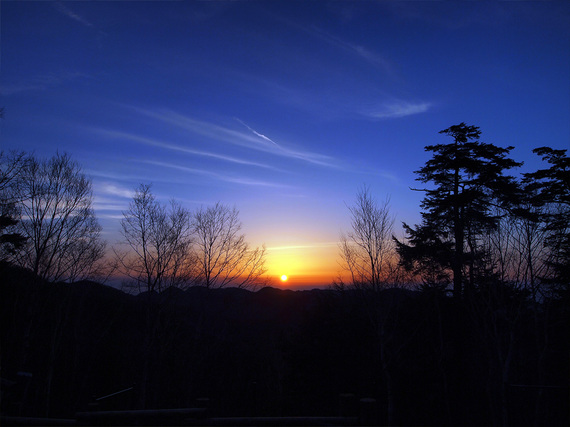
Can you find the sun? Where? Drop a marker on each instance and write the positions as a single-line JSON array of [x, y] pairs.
[[284, 278]]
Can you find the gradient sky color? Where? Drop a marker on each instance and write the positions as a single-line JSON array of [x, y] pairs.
[[281, 108]]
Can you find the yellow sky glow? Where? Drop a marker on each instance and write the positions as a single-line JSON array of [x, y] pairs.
[[304, 265]]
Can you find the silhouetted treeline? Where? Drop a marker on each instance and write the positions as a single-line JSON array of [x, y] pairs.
[[275, 352], [463, 322]]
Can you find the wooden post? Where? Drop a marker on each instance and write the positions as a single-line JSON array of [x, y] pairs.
[[93, 405]]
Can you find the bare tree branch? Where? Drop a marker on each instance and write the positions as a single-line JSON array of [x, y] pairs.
[[225, 257], [63, 235], [367, 250], [159, 241]]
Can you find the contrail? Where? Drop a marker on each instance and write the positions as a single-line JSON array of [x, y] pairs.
[[258, 134]]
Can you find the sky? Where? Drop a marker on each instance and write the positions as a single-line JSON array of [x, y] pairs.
[[284, 109]]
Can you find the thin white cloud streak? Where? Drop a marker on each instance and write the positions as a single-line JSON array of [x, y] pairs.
[[101, 206], [376, 172], [235, 137], [115, 190], [313, 246], [369, 56], [110, 197], [220, 177], [296, 98], [135, 179], [397, 109], [382, 174], [110, 216], [60, 7], [40, 83], [11, 89], [257, 133], [173, 147]]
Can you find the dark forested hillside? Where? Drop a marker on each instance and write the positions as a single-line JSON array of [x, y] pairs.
[[425, 357]]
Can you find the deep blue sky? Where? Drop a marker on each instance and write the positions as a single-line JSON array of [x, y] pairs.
[[284, 109]]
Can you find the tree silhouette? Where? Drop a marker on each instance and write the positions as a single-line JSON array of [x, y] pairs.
[[367, 249], [224, 256], [368, 255], [552, 188], [11, 167], [467, 177], [159, 243], [62, 232], [46, 204], [159, 256]]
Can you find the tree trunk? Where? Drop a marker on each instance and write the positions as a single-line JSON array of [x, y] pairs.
[[57, 334], [458, 234]]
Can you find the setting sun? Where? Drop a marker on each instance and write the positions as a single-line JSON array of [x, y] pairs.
[[303, 264]]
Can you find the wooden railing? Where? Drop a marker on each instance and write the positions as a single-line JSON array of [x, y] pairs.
[[351, 412]]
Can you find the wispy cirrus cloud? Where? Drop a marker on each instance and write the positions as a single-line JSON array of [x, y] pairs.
[[110, 199], [133, 178], [226, 178], [253, 140], [108, 206], [115, 190], [397, 109], [316, 245], [174, 147], [373, 58], [39, 83], [60, 7]]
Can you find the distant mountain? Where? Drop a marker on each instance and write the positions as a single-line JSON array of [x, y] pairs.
[[270, 352]]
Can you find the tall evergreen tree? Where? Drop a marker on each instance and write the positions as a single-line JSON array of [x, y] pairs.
[[551, 188], [467, 178]]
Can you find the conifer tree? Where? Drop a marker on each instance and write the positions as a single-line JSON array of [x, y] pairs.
[[467, 178], [551, 188]]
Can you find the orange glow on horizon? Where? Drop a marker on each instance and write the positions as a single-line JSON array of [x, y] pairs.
[[300, 282], [306, 265]]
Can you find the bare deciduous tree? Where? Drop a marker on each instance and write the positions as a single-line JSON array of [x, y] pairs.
[[63, 235], [159, 256], [11, 166], [224, 256], [367, 250], [515, 251], [51, 202], [159, 241], [368, 256]]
